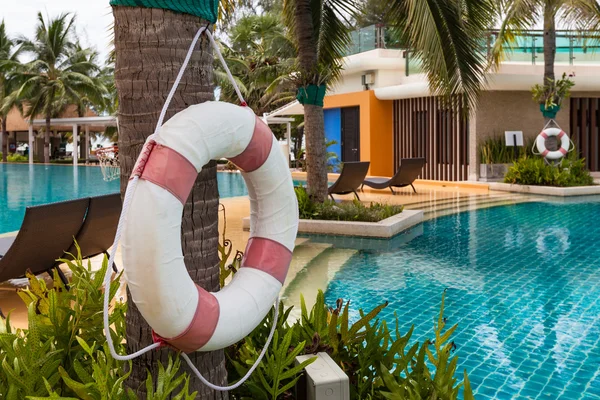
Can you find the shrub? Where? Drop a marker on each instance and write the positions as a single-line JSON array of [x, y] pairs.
[[63, 352], [15, 157], [350, 211], [536, 171], [494, 151], [381, 362]]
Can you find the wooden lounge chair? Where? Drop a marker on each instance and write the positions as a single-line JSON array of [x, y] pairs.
[[352, 176], [97, 233], [47, 231], [410, 169]]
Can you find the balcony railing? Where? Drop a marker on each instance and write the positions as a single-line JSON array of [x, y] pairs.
[[572, 47]]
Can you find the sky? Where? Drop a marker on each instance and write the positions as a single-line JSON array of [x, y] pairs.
[[94, 18]]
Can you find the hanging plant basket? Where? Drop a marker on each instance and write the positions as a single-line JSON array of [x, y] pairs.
[[549, 112]]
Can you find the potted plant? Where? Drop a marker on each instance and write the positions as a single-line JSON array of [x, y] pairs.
[[495, 158], [551, 95]]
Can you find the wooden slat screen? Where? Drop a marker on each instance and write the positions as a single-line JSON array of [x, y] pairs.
[[426, 127], [585, 129]]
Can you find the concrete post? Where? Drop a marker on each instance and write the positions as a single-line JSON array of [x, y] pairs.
[[288, 137], [87, 142], [31, 144], [473, 148], [75, 146]]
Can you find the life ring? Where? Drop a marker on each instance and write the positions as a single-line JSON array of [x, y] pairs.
[[565, 143], [182, 314]]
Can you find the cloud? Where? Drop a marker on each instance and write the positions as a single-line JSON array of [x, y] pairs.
[[94, 18]]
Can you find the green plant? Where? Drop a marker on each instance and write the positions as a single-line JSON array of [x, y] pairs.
[[381, 363], [16, 158], [347, 211], [570, 171], [307, 208], [552, 93], [494, 151], [63, 352]]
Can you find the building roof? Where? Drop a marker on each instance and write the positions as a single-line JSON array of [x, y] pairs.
[[16, 123]]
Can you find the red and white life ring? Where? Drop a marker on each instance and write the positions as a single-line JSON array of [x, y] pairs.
[[565, 143], [181, 313]]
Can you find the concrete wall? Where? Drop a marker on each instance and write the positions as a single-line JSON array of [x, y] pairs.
[[513, 111]]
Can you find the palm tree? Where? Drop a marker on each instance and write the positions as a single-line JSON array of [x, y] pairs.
[[444, 34], [150, 45], [9, 62], [61, 73], [521, 16], [261, 58]]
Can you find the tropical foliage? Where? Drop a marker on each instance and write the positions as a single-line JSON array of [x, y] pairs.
[[380, 361], [347, 211], [493, 150], [553, 93], [521, 16], [570, 171], [62, 73], [9, 64], [63, 352], [261, 58]]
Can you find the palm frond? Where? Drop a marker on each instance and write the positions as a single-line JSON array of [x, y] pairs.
[[445, 36]]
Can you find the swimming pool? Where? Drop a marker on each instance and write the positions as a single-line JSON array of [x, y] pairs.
[[22, 185], [523, 284]]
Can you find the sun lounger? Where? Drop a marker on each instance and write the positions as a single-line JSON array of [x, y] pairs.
[[352, 176], [409, 171]]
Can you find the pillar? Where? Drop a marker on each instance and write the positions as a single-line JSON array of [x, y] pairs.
[[288, 137], [87, 142], [31, 144], [75, 145], [473, 148]]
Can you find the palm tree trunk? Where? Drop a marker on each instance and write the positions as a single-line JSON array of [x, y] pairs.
[[47, 142], [314, 119], [549, 43], [549, 57], [150, 46], [4, 149]]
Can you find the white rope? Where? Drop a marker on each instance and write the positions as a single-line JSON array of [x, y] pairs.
[[233, 82], [250, 371], [130, 190]]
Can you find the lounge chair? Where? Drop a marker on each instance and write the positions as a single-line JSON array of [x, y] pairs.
[[352, 176], [410, 169], [47, 231], [97, 233]]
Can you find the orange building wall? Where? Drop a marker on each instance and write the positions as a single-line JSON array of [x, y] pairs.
[[376, 128]]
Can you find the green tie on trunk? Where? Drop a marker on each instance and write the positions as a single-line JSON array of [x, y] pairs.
[[206, 9]]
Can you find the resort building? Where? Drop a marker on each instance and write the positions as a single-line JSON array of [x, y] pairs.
[[382, 109], [23, 135]]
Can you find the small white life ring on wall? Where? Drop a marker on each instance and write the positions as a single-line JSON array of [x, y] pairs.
[[565, 143]]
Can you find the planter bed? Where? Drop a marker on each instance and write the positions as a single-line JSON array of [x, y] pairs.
[[383, 229]]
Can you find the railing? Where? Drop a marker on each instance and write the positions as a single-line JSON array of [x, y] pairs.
[[572, 47]]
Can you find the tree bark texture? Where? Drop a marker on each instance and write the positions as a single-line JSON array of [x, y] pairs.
[[314, 120], [150, 46], [549, 43], [316, 153]]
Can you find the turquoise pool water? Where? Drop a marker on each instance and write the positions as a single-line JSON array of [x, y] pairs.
[[22, 185], [523, 284]]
